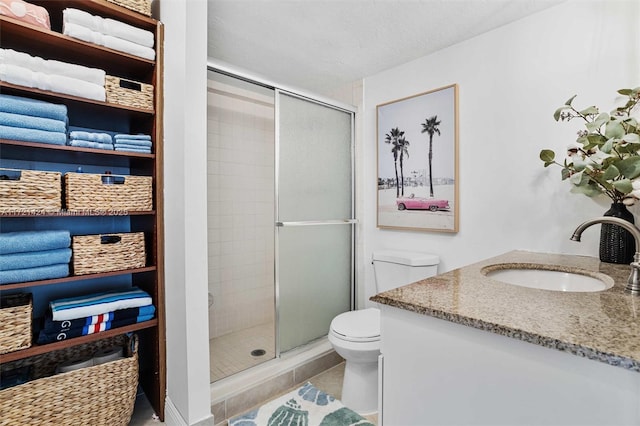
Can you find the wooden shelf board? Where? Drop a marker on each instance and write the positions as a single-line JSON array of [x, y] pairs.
[[41, 349], [44, 93], [48, 44], [75, 149], [82, 213], [72, 278], [103, 8]]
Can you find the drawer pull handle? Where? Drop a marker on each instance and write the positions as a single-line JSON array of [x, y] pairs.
[[112, 180], [126, 84], [109, 239], [11, 175]]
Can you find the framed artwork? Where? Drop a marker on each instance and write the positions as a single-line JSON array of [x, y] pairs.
[[417, 141]]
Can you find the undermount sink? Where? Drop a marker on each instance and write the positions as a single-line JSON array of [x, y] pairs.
[[548, 277]]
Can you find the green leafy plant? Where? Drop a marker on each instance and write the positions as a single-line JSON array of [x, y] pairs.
[[605, 158]]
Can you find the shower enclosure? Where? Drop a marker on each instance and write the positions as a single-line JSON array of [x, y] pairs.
[[280, 219]]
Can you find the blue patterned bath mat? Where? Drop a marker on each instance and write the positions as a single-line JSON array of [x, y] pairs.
[[306, 406]]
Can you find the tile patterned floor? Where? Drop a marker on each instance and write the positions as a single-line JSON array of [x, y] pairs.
[[329, 381], [231, 352]]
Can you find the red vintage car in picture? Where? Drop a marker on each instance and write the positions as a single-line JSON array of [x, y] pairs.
[[419, 203]]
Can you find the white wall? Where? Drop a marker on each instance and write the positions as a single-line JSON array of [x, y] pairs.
[[511, 80], [185, 193]]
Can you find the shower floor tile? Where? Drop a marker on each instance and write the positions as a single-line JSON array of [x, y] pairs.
[[231, 353]]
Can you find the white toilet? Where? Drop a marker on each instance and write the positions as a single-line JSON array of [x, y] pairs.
[[355, 335]]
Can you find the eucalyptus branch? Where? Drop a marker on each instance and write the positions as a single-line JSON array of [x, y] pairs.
[[604, 159]]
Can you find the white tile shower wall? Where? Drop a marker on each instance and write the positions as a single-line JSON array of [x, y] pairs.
[[241, 209]]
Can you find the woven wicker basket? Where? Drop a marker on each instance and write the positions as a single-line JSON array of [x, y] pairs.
[[93, 254], [15, 322], [120, 194], [141, 6], [34, 191], [128, 92], [99, 395]]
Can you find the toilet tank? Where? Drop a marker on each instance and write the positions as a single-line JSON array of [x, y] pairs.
[[395, 268]]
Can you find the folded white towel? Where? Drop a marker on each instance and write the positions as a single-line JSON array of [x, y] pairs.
[[35, 63], [115, 43], [55, 83], [108, 26]]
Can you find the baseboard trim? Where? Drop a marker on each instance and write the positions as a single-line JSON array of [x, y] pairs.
[[172, 416]]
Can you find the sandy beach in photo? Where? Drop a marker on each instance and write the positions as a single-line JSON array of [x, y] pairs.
[[389, 215]]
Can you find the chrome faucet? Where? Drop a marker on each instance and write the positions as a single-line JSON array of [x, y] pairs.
[[633, 283]]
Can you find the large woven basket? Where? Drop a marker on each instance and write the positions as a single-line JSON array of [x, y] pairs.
[[15, 322], [29, 191], [99, 395], [128, 92], [141, 6], [93, 254], [115, 194]]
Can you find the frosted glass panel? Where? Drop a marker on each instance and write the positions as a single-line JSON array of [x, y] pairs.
[[314, 268], [315, 280], [315, 161]]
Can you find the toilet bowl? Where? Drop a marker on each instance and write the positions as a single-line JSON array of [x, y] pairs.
[[355, 335]]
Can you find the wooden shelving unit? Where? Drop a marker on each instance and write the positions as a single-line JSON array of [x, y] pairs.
[[54, 45]]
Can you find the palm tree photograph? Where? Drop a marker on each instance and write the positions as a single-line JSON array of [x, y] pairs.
[[417, 176]]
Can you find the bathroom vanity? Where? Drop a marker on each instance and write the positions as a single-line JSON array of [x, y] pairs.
[[465, 349]]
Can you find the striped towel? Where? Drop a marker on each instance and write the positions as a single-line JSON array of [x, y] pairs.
[[44, 337], [51, 326], [98, 303]]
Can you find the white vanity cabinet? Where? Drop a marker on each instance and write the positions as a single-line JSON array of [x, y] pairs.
[[440, 373], [461, 348]]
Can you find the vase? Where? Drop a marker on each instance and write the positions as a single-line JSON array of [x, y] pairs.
[[616, 243]]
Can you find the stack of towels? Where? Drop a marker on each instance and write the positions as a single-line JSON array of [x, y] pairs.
[[34, 255], [86, 139], [55, 76], [93, 313], [30, 120], [133, 143], [109, 33]]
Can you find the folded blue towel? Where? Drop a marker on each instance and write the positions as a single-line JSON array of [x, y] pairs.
[[90, 136], [136, 142], [86, 144], [34, 274], [138, 136], [34, 259], [126, 145], [33, 107], [140, 150], [98, 303], [31, 122], [29, 241], [32, 135]]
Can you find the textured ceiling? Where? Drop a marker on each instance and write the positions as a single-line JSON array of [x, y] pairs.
[[320, 45]]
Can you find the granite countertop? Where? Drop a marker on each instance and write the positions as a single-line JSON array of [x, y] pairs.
[[603, 326]]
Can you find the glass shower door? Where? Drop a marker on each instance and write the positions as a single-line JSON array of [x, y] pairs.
[[314, 217]]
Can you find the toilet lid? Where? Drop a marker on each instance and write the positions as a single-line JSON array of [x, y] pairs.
[[361, 325]]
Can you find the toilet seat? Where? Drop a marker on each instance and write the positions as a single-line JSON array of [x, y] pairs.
[[357, 326]]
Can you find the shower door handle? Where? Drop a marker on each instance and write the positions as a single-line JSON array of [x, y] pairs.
[[318, 222]]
